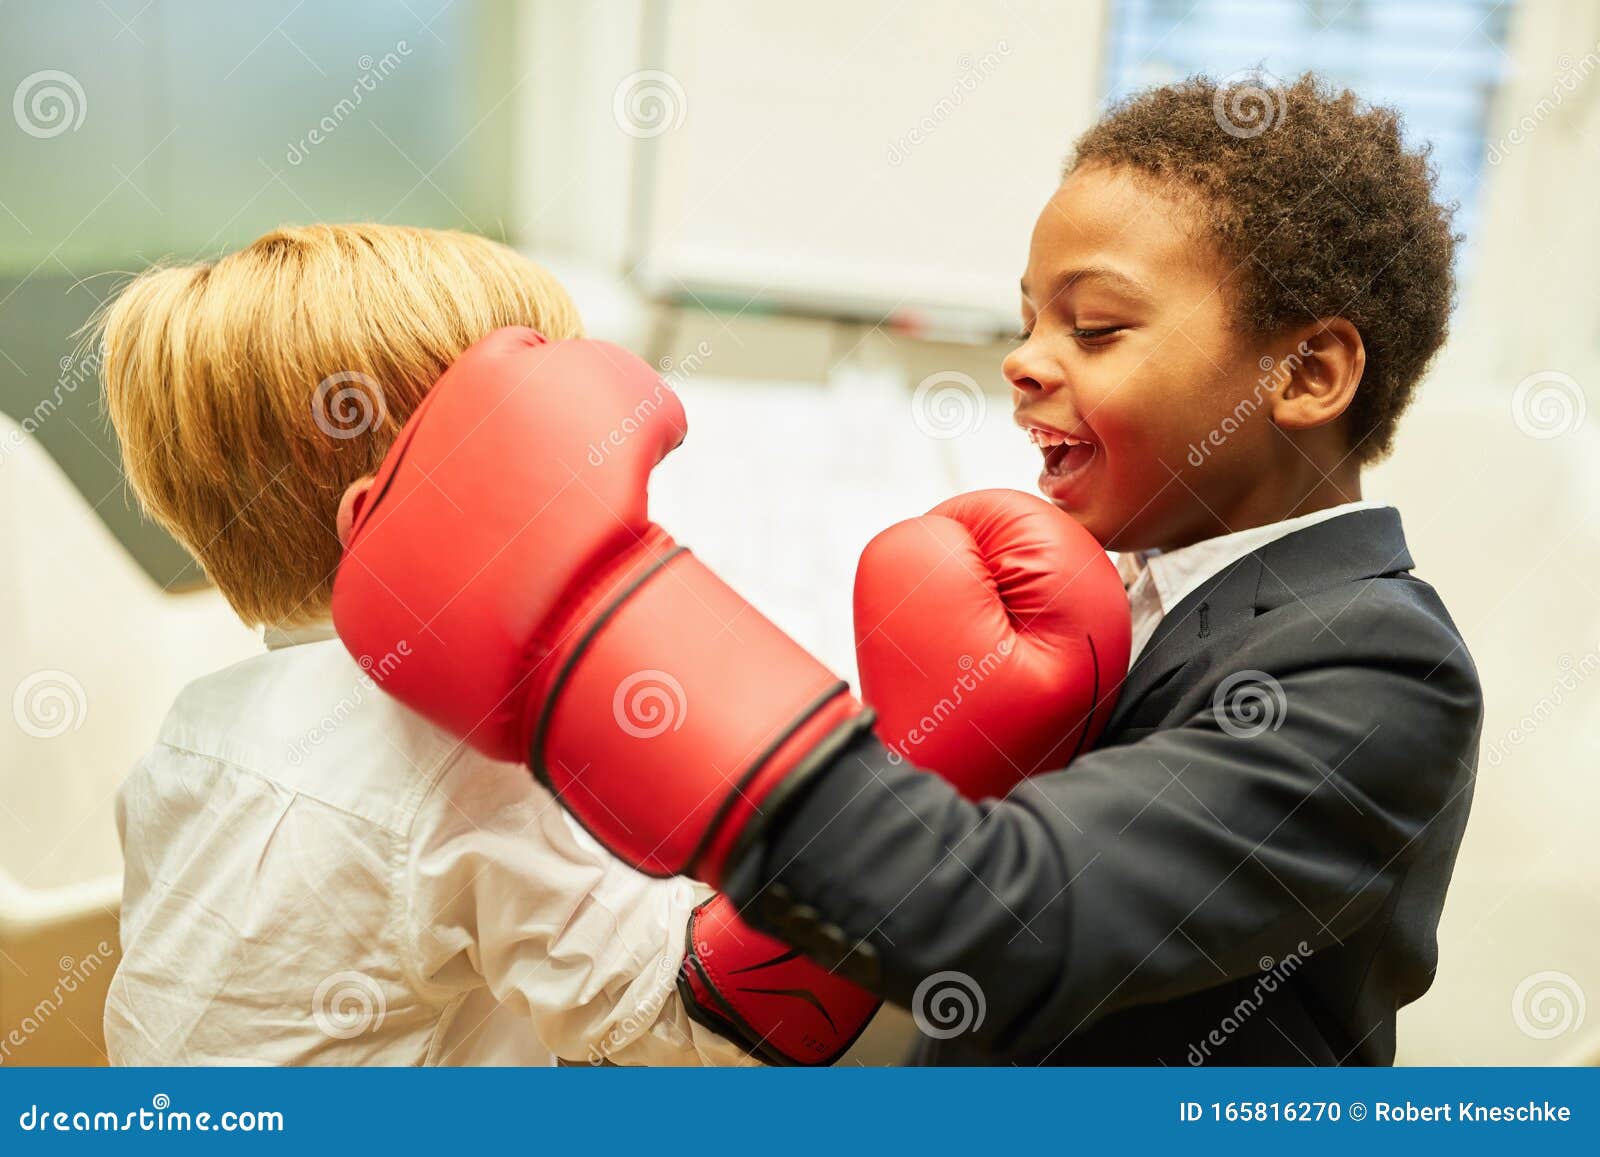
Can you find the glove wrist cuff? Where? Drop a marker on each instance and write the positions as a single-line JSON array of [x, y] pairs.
[[638, 733]]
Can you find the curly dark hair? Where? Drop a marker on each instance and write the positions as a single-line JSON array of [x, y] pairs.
[[1317, 204]]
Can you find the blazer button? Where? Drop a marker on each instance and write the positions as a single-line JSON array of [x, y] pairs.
[[835, 945], [802, 924], [776, 902], [858, 962], [864, 966]]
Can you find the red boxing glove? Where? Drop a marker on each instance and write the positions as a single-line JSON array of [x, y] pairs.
[[992, 634], [784, 1008], [502, 577]]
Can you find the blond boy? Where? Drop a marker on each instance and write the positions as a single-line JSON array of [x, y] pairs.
[[314, 875]]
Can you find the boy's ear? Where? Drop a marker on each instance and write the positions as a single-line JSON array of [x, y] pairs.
[[1326, 366], [350, 506]]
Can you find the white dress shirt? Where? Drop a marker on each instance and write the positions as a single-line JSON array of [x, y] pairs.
[[316, 875], [1157, 581]]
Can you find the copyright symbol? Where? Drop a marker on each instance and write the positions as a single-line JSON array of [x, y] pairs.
[[1358, 1111]]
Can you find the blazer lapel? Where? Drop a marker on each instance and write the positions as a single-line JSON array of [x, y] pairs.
[[1213, 609], [1345, 549]]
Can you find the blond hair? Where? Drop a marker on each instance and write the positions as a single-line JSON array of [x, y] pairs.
[[248, 393]]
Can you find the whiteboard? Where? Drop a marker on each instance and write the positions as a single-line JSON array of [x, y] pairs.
[[856, 158]]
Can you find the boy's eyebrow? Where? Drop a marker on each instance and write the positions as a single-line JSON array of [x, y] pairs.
[[1121, 282]]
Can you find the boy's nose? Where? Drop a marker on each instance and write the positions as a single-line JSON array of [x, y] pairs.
[[1023, 374]]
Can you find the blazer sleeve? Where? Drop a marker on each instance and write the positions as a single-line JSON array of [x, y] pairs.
[[1278, 816]]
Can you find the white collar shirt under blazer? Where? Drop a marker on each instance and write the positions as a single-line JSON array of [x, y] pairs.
[[316, 875], [1157, 581]]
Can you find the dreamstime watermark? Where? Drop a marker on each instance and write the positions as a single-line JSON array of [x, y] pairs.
[[1275, 374], [74, 372], [947, 1004], [624, 1030], [1547, 1005], [48, 103], [649, 103], [347, 405], [1573, 673], [973, 673], [347, 1004], [973, 73], [676, 372], [160, 1117], [372, 73], [1548, 404], [673, 375], [1248, 103], [347, 706], [1249, 703], [948, 404], [649, 703], [49, 703], [1273, 975], [74, 974], [1571, 78]]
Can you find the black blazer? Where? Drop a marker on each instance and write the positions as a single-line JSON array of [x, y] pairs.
[[1248, 869]]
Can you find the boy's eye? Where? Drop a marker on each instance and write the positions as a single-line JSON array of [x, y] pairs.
[[1095, 336]]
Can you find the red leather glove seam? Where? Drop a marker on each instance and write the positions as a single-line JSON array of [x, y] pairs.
[[733, 1026], [579, 607], [603, 593], [1094, 698], [708, 1005], [744, 1033], [765, 806]]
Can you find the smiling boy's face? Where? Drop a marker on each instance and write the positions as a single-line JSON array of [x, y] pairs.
[[1132, 357]]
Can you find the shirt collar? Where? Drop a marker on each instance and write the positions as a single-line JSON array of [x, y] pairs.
[[1175, 573], [276, 635]]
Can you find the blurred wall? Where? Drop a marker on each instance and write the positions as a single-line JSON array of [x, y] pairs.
[[181, 130]]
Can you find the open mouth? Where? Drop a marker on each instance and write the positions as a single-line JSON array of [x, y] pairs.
[[1066, 458]]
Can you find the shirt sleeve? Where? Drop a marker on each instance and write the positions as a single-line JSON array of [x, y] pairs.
[[504, 891]]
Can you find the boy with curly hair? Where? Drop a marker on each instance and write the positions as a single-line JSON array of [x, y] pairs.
[[1222, 327]]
